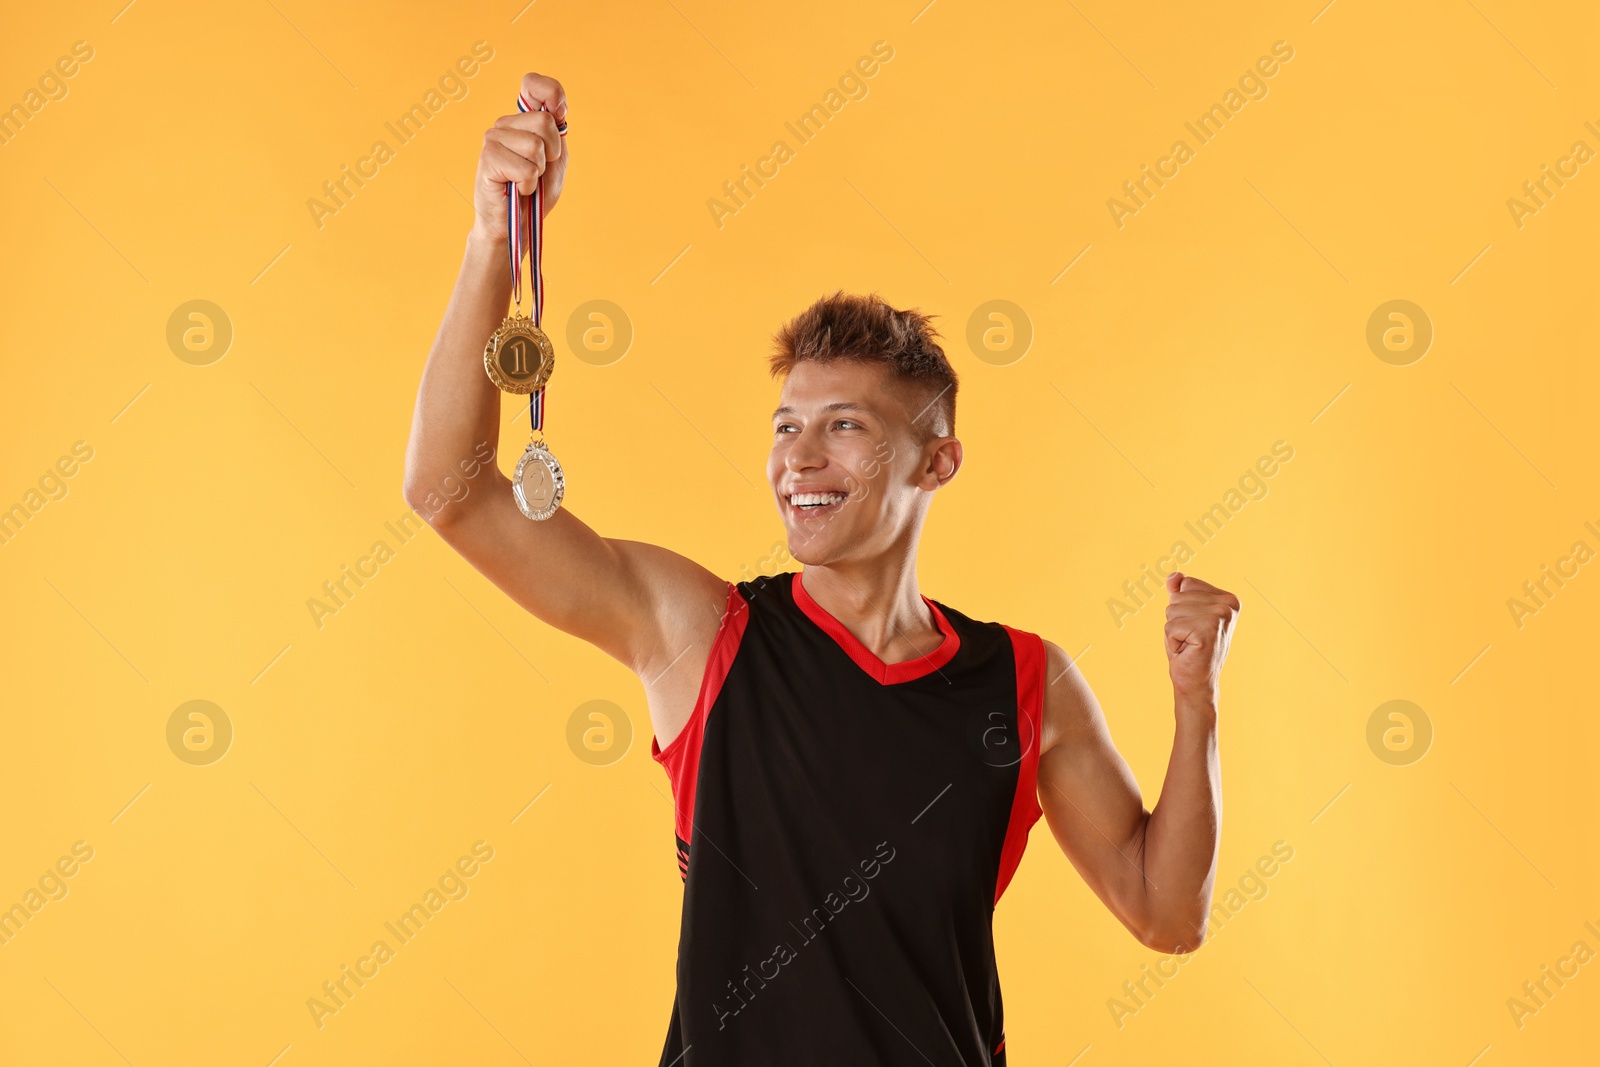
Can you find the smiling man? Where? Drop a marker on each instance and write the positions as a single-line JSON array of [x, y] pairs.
[[855, 766]]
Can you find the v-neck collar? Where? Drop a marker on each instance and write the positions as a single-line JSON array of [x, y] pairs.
[[881, 672]]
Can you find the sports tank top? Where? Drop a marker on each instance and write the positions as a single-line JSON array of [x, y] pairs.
[[845, 828]]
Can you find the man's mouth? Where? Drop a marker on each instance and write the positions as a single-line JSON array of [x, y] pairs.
[[816, 501]]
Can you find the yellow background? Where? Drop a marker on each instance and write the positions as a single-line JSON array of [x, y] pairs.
[[368, 754]]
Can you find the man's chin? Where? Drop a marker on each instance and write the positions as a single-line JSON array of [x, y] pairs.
[[814, 547], [808, 557]]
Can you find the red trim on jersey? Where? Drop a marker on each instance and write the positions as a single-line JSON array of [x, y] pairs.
[[883, 673], [1028, 652], [681, 758]]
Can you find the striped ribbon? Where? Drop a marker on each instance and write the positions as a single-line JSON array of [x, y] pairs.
[[525, 226]]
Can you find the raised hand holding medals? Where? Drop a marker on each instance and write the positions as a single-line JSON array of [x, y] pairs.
[[519, 357]]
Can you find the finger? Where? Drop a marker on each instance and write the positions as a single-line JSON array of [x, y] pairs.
[[538, 89], [1185, 639], [522, 166], [1174, 582], [1192, 593], [1197, 626], [1197, 631], [1208, 595], [1213, 603], [1191, 582], [501, 165], [1219, 598], [1213, 608], [523, 143], [541, 123]]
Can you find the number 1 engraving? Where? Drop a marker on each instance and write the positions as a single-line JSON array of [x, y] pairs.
[[518, 351]]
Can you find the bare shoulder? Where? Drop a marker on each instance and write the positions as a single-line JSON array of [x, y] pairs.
[[686, 601], [1071, 712], [687, 607]]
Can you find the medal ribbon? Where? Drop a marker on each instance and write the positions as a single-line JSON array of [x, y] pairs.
[[525, 226]]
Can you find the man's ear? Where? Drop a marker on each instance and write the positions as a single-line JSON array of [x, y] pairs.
[[944, 460]]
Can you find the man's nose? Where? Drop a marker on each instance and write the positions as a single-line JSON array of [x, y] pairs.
[[804, 451]]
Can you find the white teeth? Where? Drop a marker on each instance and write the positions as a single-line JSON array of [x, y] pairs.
[[809, 499]]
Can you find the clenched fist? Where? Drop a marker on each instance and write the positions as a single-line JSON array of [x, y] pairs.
[[519, 148], [1199, 625]]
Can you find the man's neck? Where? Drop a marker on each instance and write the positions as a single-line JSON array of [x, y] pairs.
[[880, 604]]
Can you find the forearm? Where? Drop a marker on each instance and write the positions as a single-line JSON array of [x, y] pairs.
[[1182, 833], [458, 407]]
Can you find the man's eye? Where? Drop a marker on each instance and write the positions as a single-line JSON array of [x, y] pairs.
[[848, 422]]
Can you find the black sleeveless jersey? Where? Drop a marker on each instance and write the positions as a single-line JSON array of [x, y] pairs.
[[845, 828]]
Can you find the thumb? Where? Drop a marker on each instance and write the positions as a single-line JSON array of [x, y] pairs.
[[1174, 582]]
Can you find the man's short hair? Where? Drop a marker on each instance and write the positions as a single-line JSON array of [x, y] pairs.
[[866, 329]]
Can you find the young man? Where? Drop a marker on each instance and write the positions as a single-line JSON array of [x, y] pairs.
[[855, 766]]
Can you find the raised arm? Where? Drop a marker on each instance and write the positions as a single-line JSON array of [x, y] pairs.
[[1153, 869], [641, 604]]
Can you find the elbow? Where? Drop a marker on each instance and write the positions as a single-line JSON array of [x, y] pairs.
[[1174, 940], [439, 492], [1172, 946], [442, 502], [415, 486], [423, 499], [413, 493]]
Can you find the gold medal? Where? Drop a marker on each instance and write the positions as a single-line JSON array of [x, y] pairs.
[[519, 358], [538, 483]]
